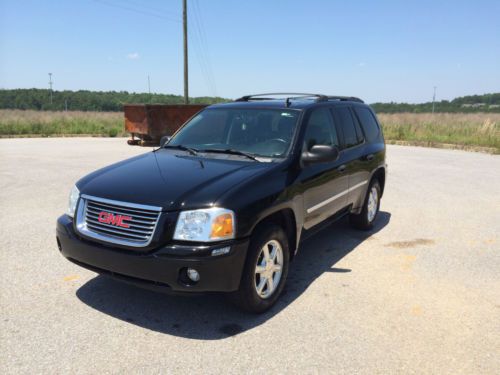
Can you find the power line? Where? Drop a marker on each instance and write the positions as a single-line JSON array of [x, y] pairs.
[[139, 11], [202, 50], [201, 61], [205, 47], [155, 9], [198, 34]]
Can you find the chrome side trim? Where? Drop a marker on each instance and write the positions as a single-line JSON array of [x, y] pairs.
[[341, 194], [83, 227]]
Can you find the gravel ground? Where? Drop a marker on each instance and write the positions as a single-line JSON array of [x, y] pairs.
[[419, 294]]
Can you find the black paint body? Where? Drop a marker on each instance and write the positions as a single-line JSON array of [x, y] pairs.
[[176, 180]]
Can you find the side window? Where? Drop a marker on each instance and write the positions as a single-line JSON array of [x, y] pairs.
[[345, 121], [320, 129], [359, 132], [368, 123]]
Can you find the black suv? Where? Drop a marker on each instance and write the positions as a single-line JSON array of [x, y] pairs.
[[223, 205]]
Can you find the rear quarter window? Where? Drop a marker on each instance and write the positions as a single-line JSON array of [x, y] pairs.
[[368, 123]]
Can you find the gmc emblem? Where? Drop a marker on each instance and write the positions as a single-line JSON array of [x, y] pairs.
[[118, 220]]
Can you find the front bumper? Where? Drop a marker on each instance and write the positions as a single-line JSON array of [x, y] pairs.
[[159, 269]]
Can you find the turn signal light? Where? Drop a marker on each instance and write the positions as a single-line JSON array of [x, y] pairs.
[[222, 226]]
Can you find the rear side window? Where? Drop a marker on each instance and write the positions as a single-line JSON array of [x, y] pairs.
[[368, 123], [345, 121], [359, 132]]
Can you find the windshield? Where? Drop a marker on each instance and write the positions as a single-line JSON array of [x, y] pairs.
[[258, 132]]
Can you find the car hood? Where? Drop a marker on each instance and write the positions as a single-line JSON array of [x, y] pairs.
[[169, 179]]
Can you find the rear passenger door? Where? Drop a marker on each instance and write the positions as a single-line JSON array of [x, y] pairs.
[[353, 154], [323, 184], [374, 147]]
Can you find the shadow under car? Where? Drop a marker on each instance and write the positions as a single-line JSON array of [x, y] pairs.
[[211, 316]]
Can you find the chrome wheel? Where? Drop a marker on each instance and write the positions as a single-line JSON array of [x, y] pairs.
[[372, 204], [268, 269]]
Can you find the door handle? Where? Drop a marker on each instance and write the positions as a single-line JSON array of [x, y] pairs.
[[342, 168], [369, 157]]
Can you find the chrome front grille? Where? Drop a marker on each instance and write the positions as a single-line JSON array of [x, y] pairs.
[[117, 222]]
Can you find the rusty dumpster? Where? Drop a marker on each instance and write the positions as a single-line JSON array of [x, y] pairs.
[[147, 123]]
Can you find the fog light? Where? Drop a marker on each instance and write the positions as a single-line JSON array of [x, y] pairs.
[[193, 275]]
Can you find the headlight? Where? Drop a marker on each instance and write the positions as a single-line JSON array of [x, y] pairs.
[[205, 225], [73, 200]]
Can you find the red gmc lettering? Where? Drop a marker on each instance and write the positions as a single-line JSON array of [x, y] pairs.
[[117, 220]]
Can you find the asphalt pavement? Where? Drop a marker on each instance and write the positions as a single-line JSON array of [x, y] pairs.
[[418, 294]]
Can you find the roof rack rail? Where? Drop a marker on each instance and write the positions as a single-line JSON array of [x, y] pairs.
[[300, 95], [341, 98], [291, 95]]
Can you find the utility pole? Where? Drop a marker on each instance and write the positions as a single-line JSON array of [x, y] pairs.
[[50, 87], [433, 99], [184, 27], [149, 86]]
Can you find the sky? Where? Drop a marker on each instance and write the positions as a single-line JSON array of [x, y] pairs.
[[380, 51]]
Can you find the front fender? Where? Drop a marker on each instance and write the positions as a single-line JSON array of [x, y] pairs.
[[261, 197]]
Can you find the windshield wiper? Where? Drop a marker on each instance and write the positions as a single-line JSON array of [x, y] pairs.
[[230, 151], [191, 150]]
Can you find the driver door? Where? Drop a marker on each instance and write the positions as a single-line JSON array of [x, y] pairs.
[[324, 184]]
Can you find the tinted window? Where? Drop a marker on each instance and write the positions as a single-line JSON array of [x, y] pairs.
[[345, 121], [320, 129], [359, 132], [261, 132], [205, 128], [368, 123]]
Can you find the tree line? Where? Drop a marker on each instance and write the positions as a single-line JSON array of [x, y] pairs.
[[84, 100], [113, 101], [471, 103]]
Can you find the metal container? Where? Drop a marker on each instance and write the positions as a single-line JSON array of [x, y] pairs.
[[147, 123]]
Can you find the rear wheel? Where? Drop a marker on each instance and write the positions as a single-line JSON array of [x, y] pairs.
[[371, 206], [265, 271]]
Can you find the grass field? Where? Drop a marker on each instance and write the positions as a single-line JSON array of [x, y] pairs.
[[45, 123], [467, 130], [461, 129]]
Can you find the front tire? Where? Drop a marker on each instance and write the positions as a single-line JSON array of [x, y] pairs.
[[265, 271], [371, 206]]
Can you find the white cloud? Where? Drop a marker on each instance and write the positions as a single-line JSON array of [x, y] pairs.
[[361, 64], [133, 56]]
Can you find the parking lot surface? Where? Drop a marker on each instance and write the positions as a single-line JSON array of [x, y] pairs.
[[418, 294]]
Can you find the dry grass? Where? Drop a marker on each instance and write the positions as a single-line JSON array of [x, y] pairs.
[[463, 129], [45, 123]]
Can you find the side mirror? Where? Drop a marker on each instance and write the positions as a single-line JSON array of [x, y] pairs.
[[164, 140], [320, 154]]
